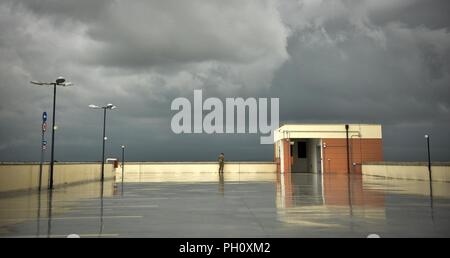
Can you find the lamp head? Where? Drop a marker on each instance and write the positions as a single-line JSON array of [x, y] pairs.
[[60, 80], [110, 106]]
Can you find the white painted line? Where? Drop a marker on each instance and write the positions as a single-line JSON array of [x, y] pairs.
[[119, 206], [75, 218], [64, 236]]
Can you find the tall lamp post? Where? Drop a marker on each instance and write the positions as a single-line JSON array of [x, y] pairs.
[[429, 157], [429, 176], [110, 107], [123, 161], [60, 81]]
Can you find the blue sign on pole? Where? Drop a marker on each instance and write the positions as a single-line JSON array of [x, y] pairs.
[[44, 117]]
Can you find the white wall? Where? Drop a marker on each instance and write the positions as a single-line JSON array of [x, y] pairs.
[[140, 171], [25, 176], [404, 170], [230, 167]]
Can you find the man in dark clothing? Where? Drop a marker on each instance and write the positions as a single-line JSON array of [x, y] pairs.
[[221, 162]]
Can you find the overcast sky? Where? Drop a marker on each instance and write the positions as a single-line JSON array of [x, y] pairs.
[[373, 61]]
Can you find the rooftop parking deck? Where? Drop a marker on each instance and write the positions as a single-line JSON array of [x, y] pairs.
[[297, 205]]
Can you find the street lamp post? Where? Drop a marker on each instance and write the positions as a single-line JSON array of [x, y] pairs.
[[429, 156], [108, 106], [60, 81], [123, 161]]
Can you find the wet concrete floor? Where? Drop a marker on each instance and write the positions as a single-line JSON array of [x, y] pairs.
[[247, 205]]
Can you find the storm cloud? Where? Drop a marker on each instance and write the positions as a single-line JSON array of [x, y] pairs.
[[328, 61]]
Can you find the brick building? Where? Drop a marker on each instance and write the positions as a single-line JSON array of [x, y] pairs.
[[327, 148]]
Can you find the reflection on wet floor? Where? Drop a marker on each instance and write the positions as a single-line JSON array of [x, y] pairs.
[[233, 205], [44, 206], [316, 201]]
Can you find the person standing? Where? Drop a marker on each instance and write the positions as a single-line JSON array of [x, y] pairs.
[[221, 162]]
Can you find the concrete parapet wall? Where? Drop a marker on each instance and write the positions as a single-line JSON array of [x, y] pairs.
[[230, 167], [137, 171], [440, 171], [25, 176]]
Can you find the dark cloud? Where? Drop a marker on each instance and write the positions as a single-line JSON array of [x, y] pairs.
[[80, 10], [374, 61], [347, 68], [432, 14]]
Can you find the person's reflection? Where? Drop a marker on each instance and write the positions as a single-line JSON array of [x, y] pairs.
[[101, 210], [221, 184], [115, 189], [49, 209]]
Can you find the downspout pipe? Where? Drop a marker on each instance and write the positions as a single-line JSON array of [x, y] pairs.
[[348, 152]]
